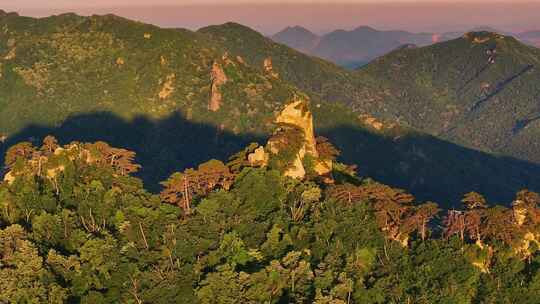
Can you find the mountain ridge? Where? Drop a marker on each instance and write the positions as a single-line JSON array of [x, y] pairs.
[[349, 48], [144, 71], [359, 46], [498, 68]]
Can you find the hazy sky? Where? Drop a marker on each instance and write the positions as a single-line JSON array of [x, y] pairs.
[[270, 16], [60, 3]]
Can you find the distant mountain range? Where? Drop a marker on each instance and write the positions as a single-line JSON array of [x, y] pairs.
[[357, 47]]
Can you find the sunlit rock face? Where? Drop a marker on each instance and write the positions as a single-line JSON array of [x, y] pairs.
[[219, 78], [258, 158], [298, 114], [269, 68], [297, 117]]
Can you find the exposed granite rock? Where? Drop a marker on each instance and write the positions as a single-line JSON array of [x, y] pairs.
[[297, 115], [295, 132], [218, 78], [168, 87], [259, 158], [269, 68]]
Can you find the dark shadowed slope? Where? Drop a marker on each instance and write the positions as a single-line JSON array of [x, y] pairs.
[[163, 146], [430, 168]]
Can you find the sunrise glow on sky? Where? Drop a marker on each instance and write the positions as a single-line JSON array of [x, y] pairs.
[[57, 3], [270, 16]]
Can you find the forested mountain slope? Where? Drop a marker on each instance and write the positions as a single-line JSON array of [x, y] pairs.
[[319, 78], [178, 98], [64, 65], [478, 90], [172, 93]]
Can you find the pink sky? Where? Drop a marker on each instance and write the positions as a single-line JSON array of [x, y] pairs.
[[270, 16]]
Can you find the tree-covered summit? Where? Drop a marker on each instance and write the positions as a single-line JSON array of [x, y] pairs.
[[478, 90]]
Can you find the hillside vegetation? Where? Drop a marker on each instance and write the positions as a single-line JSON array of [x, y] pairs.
[[148, 165], [178, 98], [76, 227], [53, 68], [478, 90]]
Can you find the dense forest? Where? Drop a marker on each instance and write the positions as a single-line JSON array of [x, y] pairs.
[[134, 169], [77, 227]]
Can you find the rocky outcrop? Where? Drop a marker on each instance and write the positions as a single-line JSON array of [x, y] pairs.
[[167, 87], [371, 122], [9, 178], [11, 54], [323, 167], [292, 143], [296, 119], [298, 114], [482, 37], [240, 60], [259, 158], [218, 78], [227, 60], [269, 68]]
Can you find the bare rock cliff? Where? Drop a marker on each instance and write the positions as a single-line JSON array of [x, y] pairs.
[[295, 119], [218, 78]]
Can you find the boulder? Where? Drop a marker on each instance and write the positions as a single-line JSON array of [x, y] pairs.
[[259, 158]]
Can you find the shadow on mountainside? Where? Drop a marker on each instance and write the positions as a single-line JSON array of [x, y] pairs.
[[163, 146], [501, 86], [429, 168], [433, 169]]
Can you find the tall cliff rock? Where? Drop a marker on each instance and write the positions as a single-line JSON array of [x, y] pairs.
[[218, 78], [293, 146]]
